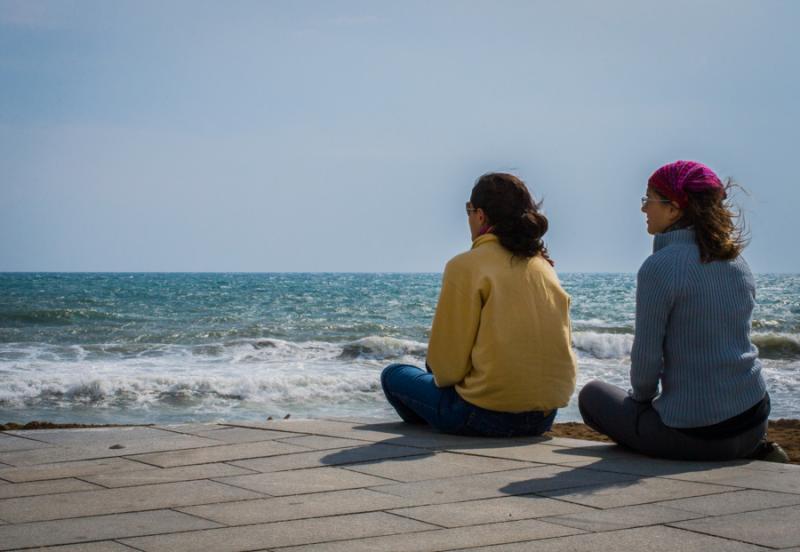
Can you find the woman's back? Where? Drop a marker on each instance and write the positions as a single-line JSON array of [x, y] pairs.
[[521, 357], [710, 367]]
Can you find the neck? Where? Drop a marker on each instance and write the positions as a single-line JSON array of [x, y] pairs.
[[485, 230]]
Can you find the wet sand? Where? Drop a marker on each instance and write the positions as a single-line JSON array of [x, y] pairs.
[[784, 432]]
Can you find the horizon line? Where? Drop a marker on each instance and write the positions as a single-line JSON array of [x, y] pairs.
[[3, 272]]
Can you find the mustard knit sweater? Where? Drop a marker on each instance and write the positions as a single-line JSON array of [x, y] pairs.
[[501, 333]]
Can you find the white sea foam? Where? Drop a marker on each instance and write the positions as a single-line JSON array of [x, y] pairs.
[[603, 345], [382, 348], [133, 384], [776, 345], [246, 378]]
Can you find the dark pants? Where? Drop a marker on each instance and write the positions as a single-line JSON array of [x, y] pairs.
[[414, 395], [609, 410]]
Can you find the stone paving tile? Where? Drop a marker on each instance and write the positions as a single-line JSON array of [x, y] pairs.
[[392, 433], [89, 450], [733, 502], [322, 442], [622, 518], [793, 469], [104, 546], [651, 539], [313, 427], [284, 533], [44, 488], [11, 443], [490, 510], [547, 454], [447, 442], [639, 491], [436, 466], [190, 428], [357, 419], [243, 435], [580, 443], [80, 468], [353, 455], [743, 476], [445, 539], [285, 508], [218, 453], [110, 435], [313, 480], [776, 528], [515, 482], [112, 501], [657, 467], [98, 528], [165, 475]]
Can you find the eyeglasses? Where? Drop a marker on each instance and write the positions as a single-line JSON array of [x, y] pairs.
[[646, 200], [470, 210]]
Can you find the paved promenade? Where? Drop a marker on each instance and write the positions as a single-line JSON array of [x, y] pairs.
[[351, 486]]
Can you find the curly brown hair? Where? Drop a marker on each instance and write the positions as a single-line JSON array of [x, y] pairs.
[[719, 226], [515, 217]]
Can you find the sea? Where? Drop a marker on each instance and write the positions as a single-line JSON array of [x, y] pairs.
[[172, 347]]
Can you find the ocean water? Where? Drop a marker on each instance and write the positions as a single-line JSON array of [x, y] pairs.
[[141, 348]]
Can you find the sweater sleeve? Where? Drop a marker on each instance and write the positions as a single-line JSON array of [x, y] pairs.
[[455, 326], [654, 300]]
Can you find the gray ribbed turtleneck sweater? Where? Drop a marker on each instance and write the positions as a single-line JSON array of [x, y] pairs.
[[693, 334]]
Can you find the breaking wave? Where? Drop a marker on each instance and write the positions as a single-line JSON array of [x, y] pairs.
[[777, 345]]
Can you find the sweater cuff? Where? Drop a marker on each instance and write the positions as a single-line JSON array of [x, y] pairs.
[[641, 397]]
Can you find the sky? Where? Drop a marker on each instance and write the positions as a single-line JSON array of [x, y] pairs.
[[338, 136]]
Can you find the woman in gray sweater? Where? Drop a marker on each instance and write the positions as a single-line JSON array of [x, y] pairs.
[[697, 392]]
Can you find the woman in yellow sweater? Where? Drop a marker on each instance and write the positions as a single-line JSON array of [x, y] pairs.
[[500, 361]]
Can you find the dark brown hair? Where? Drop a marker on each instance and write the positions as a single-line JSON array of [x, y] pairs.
[[511, 211], [718, 226]]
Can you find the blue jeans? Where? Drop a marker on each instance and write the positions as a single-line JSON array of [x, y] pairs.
[[414, 395]]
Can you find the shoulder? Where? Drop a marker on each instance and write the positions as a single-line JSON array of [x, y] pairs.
[[460, 263], [461, 270], [671, 257], [660, 269], [658, 264], [485, 254]]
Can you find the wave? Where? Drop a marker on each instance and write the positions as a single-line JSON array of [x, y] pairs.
[[603, 345], [382, 348], [270, 351], [60, 317], [601, 326], [771, 346], [208, 390], [777, 346]]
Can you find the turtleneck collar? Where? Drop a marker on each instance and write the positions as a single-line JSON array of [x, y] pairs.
[[485, 238], [682, 235]]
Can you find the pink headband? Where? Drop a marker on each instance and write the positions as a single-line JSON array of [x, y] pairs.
[[675, 179]]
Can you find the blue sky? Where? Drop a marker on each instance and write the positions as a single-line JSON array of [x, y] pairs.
[[345, 136]]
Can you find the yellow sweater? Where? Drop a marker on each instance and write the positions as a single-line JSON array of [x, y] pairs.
[[501, 333]]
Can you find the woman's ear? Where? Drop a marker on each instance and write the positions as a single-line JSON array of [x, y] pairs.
[[675, 212], [482, 218]]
